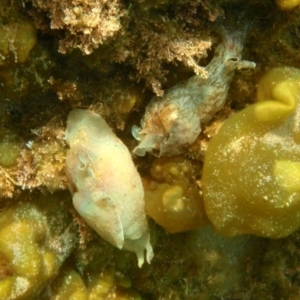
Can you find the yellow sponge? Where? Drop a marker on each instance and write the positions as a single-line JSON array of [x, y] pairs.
[[287, 4], [251, 170]]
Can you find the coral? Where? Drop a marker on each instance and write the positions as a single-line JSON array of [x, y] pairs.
[[172, 198], [108, 191], [37, 164], [123, 102], [69, 285], [9, 153], [42, 164], [29, 248], [156, 45], [108, 286], [153, 44], [87, 23], [250, 175], [287, 4], [129, 35], [17, 40]]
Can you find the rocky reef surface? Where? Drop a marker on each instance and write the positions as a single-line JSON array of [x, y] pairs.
[[113, 57]]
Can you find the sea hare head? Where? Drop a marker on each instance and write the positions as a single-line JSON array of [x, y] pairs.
[[251, 171]]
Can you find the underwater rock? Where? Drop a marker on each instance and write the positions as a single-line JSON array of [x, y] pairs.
[[251, 170], [108, 191], [173, 122]]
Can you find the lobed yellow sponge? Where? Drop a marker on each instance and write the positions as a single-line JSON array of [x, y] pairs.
[[251, 170], [172, 198], [287, 4], [27, 262]]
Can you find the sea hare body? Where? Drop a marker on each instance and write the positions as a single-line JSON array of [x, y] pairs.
[[252, 166], [108, 191], [173, 122]]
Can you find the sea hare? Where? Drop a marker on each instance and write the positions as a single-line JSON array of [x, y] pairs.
[[173, 122], [108, 191], [251, 176]]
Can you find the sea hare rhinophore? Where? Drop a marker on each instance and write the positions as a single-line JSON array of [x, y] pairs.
[[108, 191], [251, 176]]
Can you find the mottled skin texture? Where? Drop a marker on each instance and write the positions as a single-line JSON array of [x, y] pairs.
[[173, 122], [107, 189]]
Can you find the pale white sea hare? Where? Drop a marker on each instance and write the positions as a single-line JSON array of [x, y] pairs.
[[173, 122], [107, 189]]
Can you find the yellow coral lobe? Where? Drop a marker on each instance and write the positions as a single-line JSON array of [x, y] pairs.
[[172, 198], [102, 285], [26, 256], [4, 45], [277, 95], [287, 174], [25, 40], [71, 287], [287, 4], [25, 259], [17, 39], [107, 285], [126, 100], [6, 287], [251, 168], [9, 153], [50, 264]]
